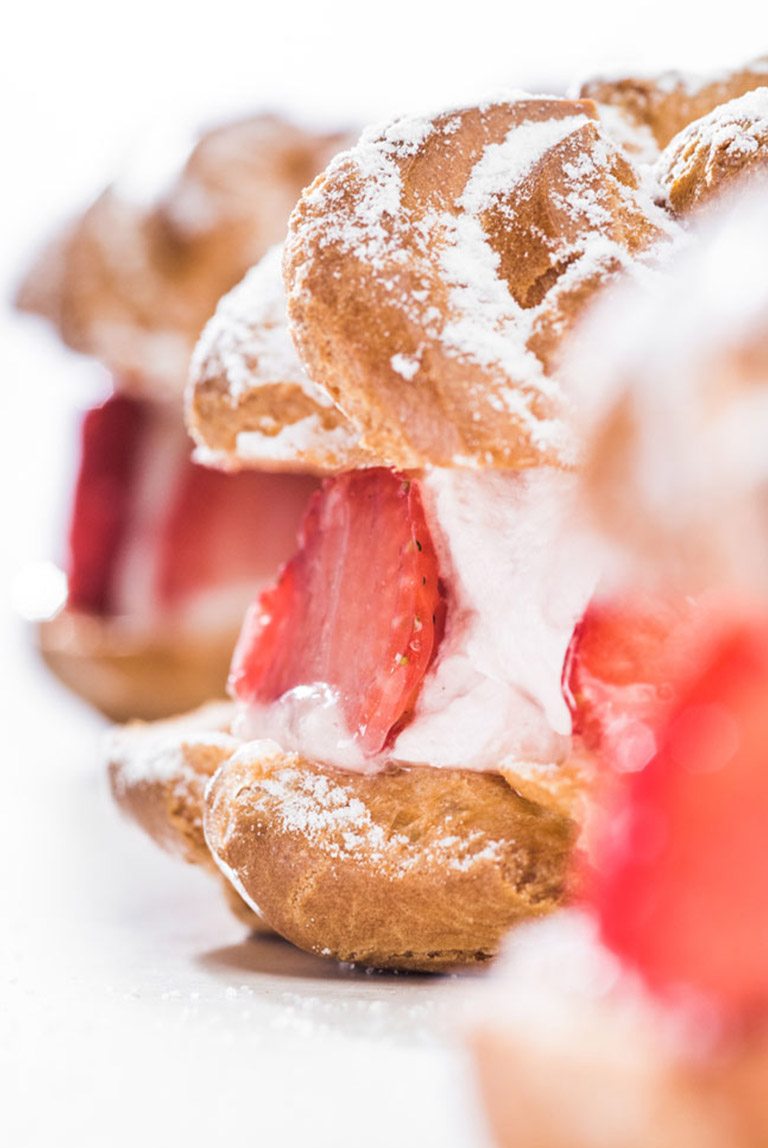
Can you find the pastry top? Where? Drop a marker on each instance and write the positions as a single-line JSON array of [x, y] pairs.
[[646, 112], [133, 280], [250, 402], [433, 269], [706, 158], [673, 387]]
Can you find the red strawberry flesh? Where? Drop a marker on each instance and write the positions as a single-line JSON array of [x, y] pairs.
[[681, 887], [207, 530], [622, 672], [228, 529], [110, 440], [358, 609]]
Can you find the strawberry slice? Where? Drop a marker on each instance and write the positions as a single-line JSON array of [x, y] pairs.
[[681, 887], [623, 669], [359, 609], [228, 529], [110, 439]]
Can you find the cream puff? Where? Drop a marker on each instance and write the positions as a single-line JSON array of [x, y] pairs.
[[163, 555], [405, 785]]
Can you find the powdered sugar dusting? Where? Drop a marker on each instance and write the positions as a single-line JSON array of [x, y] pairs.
[[636, 139], [738, 129], [154, 752], [306, 438], [247, 341], [247, 345], [405, 365], [505, 164], [361, 208], [335, 821]]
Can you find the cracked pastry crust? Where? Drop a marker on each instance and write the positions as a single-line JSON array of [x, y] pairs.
[[714, 153], [132, 282], [414, 868], [433, 270]]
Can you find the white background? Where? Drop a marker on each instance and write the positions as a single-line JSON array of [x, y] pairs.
[[131, 1011]]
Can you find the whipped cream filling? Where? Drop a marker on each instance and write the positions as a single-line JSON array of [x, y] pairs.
[[518, 578]]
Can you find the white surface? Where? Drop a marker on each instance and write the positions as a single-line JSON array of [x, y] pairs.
[[131, 1010], [134, 1010]]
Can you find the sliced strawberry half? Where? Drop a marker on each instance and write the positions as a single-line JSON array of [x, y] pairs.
[[228, 529], [624, 666], [359, 609], [681, 887], [110, 440]]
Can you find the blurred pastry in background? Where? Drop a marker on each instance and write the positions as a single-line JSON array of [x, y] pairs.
[[164, 554], [644, 113]]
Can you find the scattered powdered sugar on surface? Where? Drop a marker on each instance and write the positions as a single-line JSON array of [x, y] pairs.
[[248, 344], [671, 81], [635, 138]]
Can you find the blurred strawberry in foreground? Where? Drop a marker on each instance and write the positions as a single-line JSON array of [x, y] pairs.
[[628, 659], [358, 609], [681, 888]]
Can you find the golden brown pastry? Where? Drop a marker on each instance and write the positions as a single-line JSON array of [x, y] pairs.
[[250, 402], [124, 674], [159, 773], [409, 869], [646, 112], [715, 153], [433, 269]]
